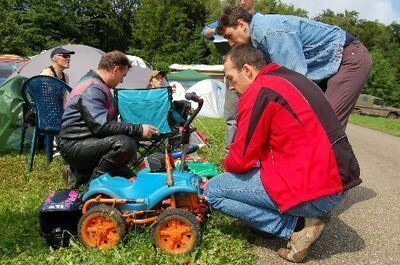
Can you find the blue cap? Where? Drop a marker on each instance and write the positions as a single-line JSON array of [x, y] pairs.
[[60, 50]]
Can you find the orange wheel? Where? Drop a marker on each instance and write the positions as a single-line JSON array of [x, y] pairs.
[[176, 231], [102, 227]]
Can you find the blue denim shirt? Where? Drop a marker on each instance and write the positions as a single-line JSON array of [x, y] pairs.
[[306, 46]]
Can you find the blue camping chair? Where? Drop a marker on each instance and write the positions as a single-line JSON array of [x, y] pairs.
[[45, 95], [151, 106]]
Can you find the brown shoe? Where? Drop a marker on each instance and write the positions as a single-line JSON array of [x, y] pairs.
[[300, 242]]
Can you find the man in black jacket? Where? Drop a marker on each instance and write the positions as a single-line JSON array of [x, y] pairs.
[[92, 141]]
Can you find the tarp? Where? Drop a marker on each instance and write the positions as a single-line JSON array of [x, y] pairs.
[[213, 93], [84, 59], [11, 112], [188, 74]]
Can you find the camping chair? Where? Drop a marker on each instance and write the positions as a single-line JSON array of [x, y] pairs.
[[152, 106], [45, 95]]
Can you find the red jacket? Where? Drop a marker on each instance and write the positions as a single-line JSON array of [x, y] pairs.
[[286, 125]]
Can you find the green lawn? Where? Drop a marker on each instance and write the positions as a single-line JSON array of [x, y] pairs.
[[389, 126], [21, 194]]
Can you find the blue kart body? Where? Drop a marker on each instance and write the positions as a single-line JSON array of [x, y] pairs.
[[149, 188]]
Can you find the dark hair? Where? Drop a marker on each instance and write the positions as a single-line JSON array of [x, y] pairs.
[[115, 58], [230, 17], [242, 54]]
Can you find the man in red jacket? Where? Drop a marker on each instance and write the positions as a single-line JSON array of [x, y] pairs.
[[290, 161]]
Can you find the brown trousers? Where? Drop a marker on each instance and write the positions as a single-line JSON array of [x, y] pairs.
[[343, 88]]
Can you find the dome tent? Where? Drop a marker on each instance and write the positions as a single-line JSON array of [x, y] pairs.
[[213, 93], [178, 91], [84, 59]]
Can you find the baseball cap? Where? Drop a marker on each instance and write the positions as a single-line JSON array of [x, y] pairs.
[[156, 72], [60, 50]]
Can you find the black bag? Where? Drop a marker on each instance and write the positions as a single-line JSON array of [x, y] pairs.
[[59, 216]]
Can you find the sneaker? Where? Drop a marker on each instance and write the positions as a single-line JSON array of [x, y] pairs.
[[301, 241]]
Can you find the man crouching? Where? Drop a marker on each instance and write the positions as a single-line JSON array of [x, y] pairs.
[[290, 161], [92, 141]]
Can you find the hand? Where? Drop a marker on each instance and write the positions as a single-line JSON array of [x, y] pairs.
[[209, 32], [149, 130]]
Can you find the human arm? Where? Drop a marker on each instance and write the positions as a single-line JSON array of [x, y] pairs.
[[149, 130], [209, 30]]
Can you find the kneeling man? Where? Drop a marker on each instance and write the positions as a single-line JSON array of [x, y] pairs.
[[290, 161], [92, 141]]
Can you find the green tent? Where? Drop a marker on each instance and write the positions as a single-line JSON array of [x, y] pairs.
[[187, 75], [11, 112]]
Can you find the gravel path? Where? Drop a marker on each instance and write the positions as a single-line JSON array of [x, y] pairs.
[[365, 228]]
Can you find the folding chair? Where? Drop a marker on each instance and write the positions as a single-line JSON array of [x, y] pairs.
[[45, 95], [151, 106]]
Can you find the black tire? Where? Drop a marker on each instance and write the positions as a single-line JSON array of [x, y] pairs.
[[102, 227], [392, 115], [186, 235]]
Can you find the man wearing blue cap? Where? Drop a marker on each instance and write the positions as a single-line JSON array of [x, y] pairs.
[[61, 59]]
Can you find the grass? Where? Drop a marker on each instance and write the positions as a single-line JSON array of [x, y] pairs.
[[22, 192], [389, 126]]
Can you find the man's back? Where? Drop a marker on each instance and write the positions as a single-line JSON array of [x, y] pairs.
[[306, 46], [287, 124]]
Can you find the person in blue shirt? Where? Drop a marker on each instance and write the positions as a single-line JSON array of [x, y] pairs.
[[333, 58], [209, 30], [231, 99]]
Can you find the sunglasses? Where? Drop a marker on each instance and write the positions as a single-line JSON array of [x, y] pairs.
[[65, 55]]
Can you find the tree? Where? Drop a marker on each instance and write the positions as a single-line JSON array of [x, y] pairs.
[[168, 31], [11, 40], [382, 81], [103, 24], [348, 20], [277, 7], [45, 24]]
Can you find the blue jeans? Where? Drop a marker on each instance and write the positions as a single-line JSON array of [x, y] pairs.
[[243, 196]]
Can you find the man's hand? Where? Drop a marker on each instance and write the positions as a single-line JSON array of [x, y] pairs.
[[209, 32], [149, 130]]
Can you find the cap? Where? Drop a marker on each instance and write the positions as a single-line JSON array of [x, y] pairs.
[[60, 50], [156, 72]]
